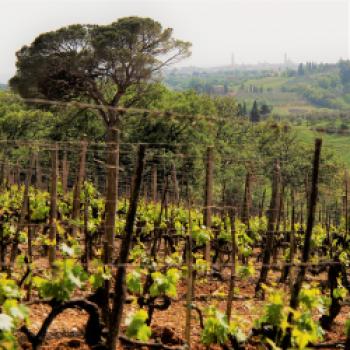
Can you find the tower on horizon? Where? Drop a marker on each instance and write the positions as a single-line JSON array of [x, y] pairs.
[[287, 61], [232, 59]]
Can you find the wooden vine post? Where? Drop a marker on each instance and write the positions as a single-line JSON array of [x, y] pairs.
[[292, 237], [111, 193], [246, 200], [262, 204], [294, 298], [24, 216], [87, 238], [310, 223], [65, 171], [272, 217], [176, 194], [233, 266], [190, 289], [78, 185], [2, 170], [346, 200], [16, 174], [120, 287], [157, 229], [112, 181], [38, 172], [5, 173], [208, 195], [53, 205], [288, 267], [154, 183]]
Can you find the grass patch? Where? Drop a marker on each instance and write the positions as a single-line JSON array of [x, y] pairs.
[[340, 144]]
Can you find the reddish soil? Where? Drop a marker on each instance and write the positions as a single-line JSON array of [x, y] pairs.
[[67, 330]]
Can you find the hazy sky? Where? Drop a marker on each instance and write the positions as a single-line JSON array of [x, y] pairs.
[[254, 31]]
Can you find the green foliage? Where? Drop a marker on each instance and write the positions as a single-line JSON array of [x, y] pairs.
[[318, 235], [66, 277], [200, 234], [216, 328], [275, 310], [7, 337], [254, 113], [8, 289], [165, 284], [100, 274], [17, 311], [246, 271], [13, 313], [345, 73], [137, 327], [11, 200], [201, 265], [138, 253], [304, 329], [174, 259], [39, 205], [18, 121], [134, 282], [340, 292]]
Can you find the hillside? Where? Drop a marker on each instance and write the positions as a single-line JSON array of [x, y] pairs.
[[290, 91]]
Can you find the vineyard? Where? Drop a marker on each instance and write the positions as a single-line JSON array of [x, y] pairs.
[[133, 216], [140, 245]]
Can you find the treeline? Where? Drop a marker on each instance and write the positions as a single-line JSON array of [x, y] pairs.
[[258, 111], [213, 83]]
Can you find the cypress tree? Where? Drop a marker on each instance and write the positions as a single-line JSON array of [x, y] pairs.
[[254, 114]]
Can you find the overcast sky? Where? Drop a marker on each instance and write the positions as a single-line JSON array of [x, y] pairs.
[[255, 31]]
